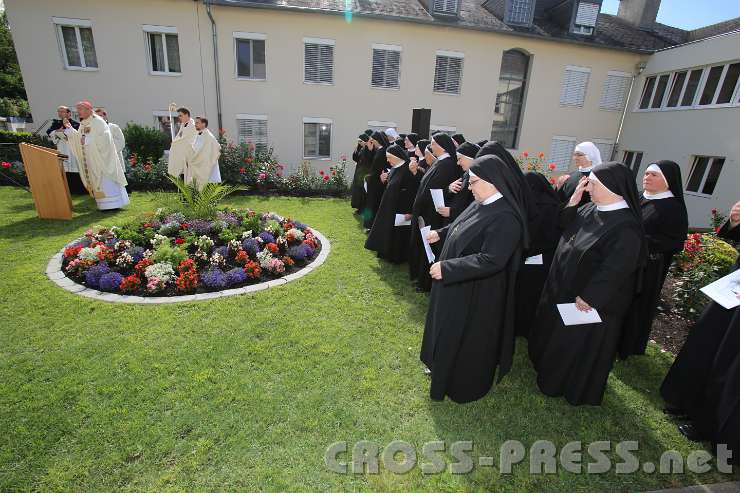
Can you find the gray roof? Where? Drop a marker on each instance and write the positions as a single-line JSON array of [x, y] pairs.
[[611, 31]]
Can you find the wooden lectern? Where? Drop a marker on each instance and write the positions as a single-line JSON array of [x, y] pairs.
[[49, 188]]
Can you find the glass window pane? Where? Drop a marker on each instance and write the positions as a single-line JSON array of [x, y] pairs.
[[678, 81], [510, 97], [697, 174], [324, 140], [258, 59], [70, 46], [660, 91], [310, 141], [710, 87], [638, 161], [691, 86], [157, 52], [713, 176], [173, 52], [627, 159], [88, 47], [728, 86], [647, 92], [243, 57]]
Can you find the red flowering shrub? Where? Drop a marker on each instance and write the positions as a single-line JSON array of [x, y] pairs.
[[272, 247], [253, 270], [241, 258], [130, 284], [289, 262], [141, 266], [72, 251]]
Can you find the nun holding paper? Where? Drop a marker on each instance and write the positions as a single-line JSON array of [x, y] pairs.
[[594, 276], [666, 224]]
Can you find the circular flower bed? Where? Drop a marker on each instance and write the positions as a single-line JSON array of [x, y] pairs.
[[167, 254]]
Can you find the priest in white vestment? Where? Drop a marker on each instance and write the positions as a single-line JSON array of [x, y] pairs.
[[98, 160], [118, 139], [202, 164], [182, 144]]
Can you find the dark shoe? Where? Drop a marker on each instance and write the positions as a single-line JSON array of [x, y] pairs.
[[675, 412], [689, 431]]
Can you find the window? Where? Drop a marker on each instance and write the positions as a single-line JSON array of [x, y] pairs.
[[317, 138], [654, 91], [445, 129], [512, 85], [660, 91], [76, 42], [164, 50], [647, 92], [381, 126], [691, 86], [676, 87], [704, 174], [448, 72], [445, 7], [561, 151], [519, 12], [632, 159], [605, 147], [615, 91], [318, 65], [586, 16], [575, 82], [727, 89], [386, 69], [252, 128], [250, 56], [162, 122], [720, 84]]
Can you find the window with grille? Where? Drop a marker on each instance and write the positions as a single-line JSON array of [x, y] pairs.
[[575, 83], [561, 152], [632, 159], [164, 50], [448, 72], [445, 6], [386, 68], [616, 87], [317, 138], [704, 175], [77, 44], [252, 129], [519, 12], [318, 61], [250, 56], [512, 85]]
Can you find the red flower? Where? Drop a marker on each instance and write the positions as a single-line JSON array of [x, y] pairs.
[[321, 172], [272, 247], [552, 181], [185, 265], [326, 178], [142, 265], [333, 173], [147, 225], [542, 155], [72, 251], [184, 226], [147, 167], [717, 229], [252, 270], [6, 164], [289, 262], [249, 160], [714, 211], [130, 284], [242, 170], [179, 241], [525, 154], [241, 257], [552, 166]]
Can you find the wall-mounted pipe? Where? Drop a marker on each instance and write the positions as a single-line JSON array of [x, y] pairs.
[[207, 3]]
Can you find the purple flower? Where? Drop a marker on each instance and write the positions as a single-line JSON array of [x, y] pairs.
[[110, 281], [137, 253], [94, 273], [299, 225], [176, 217], [222, 250], [235, 276], [213, 279], [228, 217], [267, 237], [199, 227], [110, 243], [250, 246], [300, 252]]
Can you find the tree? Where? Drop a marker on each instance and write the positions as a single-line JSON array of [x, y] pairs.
[[12, 90]]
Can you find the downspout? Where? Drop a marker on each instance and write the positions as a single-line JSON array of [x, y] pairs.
[[615, 147], [207, 3]]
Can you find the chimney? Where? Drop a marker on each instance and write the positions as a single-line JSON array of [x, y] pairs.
[[639, 13]]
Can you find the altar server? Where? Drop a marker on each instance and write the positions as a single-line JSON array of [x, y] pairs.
[[469, 330], [118, 139], [666, 224], [595, 267], [182, 144], [98, 160], [202, 163], [585, 156]]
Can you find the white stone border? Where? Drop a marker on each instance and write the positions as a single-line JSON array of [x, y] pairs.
[[54, 272]]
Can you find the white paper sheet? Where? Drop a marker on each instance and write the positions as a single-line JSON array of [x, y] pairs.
[[364, 185], [573, 316], [401, 220], [536, 260], [725, 290], [427, 248], [438, 197]]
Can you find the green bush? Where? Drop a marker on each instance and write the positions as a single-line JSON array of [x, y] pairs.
[[147, 174], [12, 171], [14, 107], [704, 259], [147, 143]]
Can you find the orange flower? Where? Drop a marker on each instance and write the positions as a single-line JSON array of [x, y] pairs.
[[542, 155]]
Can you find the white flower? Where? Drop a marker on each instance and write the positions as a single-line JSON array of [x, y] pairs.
[[147, 253], [204, 243], [247, 234], [124, 260], [296, 233], [200, 255], [235, 245], [89, 253], [159, 240], [264, 258], [217, 259], [161, 270]]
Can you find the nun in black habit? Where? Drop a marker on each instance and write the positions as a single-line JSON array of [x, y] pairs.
[[469, 330], [596, 266], [462, 196], [704, 381], [375, 187], [666, 224], [458, 139], [441, 173], [361, 157], [389, 241], [545, 234], [585, 156]]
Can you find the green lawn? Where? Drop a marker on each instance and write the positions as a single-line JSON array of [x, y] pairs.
[[246, 393]]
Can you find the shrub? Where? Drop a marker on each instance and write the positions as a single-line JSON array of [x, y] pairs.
[[166, 253], [147, 174], [14, 107], [704, 259], [148, 143]]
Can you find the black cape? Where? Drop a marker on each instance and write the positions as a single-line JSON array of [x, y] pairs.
[[545, 234], [361, 156], [704, 380], [462, 199], [391, 242], [443, 172], [375, 187], [565, 191]]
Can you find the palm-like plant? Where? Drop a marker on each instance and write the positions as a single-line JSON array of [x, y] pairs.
[[202, 203]]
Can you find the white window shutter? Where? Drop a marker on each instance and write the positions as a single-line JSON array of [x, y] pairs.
[[253, 130], [575, 83], [445, 6], [447, 74], [587, 14], [561, 152], [615, 91], [605, 148], [386, 68], [319, 63]]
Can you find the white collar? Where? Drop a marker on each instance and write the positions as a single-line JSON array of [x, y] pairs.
[[585, 170], [443, 155], [399, 165], [493, 198], [622, 204], [657, 196]]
